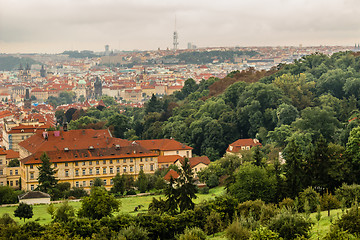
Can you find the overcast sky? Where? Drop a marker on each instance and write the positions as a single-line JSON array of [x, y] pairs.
[[52, 26]]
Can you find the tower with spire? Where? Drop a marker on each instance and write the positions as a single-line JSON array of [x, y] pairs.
[[42, 71], [27, 100]]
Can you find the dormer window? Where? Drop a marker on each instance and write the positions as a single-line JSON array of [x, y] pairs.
[[91, 147]]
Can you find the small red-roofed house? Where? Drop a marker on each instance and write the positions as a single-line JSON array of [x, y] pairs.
[[241, 145], [165, 147], [166, 161], [196, 163], [172, 173]]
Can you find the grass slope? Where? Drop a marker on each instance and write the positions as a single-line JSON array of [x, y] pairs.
[[128, 205]]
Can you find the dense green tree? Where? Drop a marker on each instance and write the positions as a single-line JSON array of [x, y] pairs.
[[186, 187], [253, 182], [118, 184], [7, 195], [142, 182], [14, 163], [99, 204], [24, 211], [119, 124], [46, 178], [172, 196]]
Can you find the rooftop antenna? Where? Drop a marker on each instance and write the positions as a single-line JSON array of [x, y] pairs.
[[175, 37]]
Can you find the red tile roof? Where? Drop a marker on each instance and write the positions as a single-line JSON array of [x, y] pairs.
[[236, 146], [129, 151], [196, 160], [163, 144], [28, 128], [2, 151], [73, 139], [172, 173], [11, 154], [171, 159]]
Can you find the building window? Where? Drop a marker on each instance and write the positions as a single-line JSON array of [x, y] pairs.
[[91, 182], [77, 184], [131, 159], [111, 170], [140, 159], [131, 168], [83, 163], [97, 162], [11, 183], [177, 152], [104, 161], [66, 164], [17, 183], [152, 167], [0, 162], [10, 172], [104, 181], [31, 166], [1, 172], [31, 187], [76, 172], [84, 171], [111, 182], [141, 167], [247, 148], [117, 161], [76, 164], [104, 170], [90, 163], [16, 172], [146, 159], [110, 161], [84, 183], [124, 169], [66, 173], [31, 175], [90, 171], [98, 171], [187, 153], [124, 161], [118, 169], [55, 164], [195, 169], [151, 159]]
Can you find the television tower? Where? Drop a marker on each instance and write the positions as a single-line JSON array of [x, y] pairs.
[[175, 38]]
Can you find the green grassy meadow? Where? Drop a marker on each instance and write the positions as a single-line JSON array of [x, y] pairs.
[[128, 205]]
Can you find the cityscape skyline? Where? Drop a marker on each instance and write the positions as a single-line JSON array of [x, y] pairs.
[[55, 26]]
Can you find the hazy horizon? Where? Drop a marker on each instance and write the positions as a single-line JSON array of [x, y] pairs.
[[41, 26]]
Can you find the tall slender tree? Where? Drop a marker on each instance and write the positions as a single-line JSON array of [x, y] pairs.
[[46, 179], [171, 193], [187, 189]]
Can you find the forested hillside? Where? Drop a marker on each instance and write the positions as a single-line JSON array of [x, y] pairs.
[[9, 63]]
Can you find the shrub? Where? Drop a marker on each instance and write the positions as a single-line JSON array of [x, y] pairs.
[[7, 195], [263, 233], [251, 208], [268, 211], [64, 212], [134, 233], [204, 190], [192, 234], [290, 225], [6, 220], [338, 234], [350, 221], [237, 232], [287, 204], [213, 223], [212, 181], [130, 192], [349, 193], [77, 192], [311, 196]]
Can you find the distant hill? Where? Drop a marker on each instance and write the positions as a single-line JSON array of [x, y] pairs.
[[8, 63], [81, 54], [207, 57]]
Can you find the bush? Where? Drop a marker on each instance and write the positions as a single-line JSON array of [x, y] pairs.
[[350, 221], [212, 181], [130, 192], [77, 192], [237, 232], [6, 220], [213, 223], [63, 213], [290, 225], [268, 211], [134, 233], [311, 196], [287, 204], [204, 190], [192, 234], [328, 202], [348, 193], [263, 233], [251, 208], [338, 234], [7, 195]]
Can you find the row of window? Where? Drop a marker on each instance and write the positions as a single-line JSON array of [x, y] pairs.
[[10, 172], [77, 184], [104, 170]]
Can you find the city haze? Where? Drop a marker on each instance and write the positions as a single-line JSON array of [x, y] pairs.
[[54, 26]]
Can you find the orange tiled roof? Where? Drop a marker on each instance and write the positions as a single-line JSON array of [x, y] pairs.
[[236, 146], [10, 154], [56, 156], [168, 159], [2, 151], [196, 160], [73, 139], [28, 128], [163, 144], [172, 173]]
